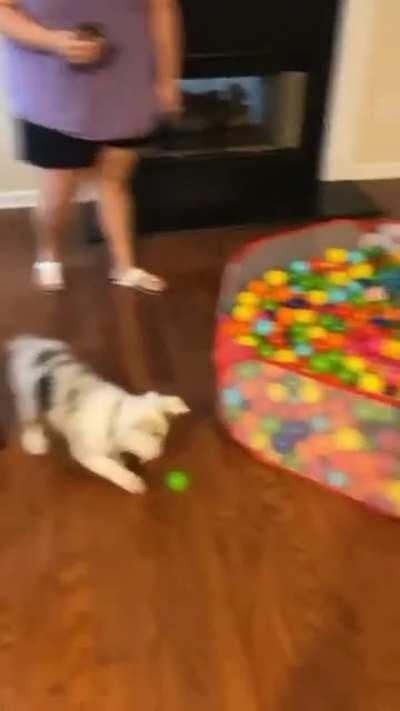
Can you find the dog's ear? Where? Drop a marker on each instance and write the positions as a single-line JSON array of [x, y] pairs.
[[173, 406]]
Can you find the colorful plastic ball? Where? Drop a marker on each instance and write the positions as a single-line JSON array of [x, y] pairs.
[[349, 438], [298, 266], [258, 441], [364, 270], [320, 363], [319, 423], [276, 277], [357, 299], [296, 429], [336, 255], [339, 278], [390, 348], [232, 397], [265, 349], [327, 320], [357, 364], [355, 256], [248, 369], [276, 392], [306, 316], [177, 480], [354, 287], [269, 304], [337, 478], [336, 295], [303, 350], [243, 313], [263, 327], [317, 297], [282, 443], [270, 424], [310, 392], [247, 339], [347, 377], [247, 298], [257, 286], [285, 355], [317, 332], [285, 316], [372, 383]]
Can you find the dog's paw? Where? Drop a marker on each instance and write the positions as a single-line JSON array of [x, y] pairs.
[[132, 483], [34, 441], [174, 406]]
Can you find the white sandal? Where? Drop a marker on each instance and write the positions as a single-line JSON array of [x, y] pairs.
[[139, 279], [48, 275]]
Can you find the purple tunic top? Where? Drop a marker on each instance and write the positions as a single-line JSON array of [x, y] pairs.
[[110, 101]]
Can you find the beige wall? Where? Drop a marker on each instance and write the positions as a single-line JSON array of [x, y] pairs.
[[363, 137], [363, 124]]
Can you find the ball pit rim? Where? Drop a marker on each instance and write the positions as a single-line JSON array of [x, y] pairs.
[[365, 224]]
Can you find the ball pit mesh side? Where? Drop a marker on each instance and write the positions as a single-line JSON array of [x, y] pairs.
[[356, 449]]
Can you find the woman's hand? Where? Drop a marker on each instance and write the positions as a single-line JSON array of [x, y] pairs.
[[169, 97], [76, 50]]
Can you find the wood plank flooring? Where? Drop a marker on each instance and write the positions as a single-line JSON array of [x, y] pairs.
[[253, 591]]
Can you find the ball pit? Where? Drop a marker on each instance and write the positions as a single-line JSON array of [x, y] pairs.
[[307, 355]]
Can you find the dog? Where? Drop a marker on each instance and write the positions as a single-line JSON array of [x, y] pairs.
[[99, 421]]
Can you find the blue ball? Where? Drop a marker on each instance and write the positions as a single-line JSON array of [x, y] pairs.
[[355, 256], [303, 349], [282, 442], [354, 287], [337, 478], [298, 266], [319, 423], [232, 397], [296, 429], [263, 327], [337, 295]]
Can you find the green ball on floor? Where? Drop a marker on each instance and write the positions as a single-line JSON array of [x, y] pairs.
[[177, 480]]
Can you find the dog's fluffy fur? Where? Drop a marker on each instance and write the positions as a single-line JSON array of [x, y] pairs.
[[99, 421]]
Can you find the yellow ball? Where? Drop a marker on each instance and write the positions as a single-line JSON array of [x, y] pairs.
[[349, 438], [317, 298], [392, 489], [336, 255], [276, 277], [317, 332], [354, 363], [310, 392], [390, 349], [305, 316], [276, 392], [339, 278], [243, 313], [284, 355], [364, 270], [371, 383], [246, 340], [258, 441], [247, 298]]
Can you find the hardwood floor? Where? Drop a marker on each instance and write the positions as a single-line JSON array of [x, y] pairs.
[[252, 591]]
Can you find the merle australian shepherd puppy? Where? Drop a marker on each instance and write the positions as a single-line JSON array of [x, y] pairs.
[[99, 420]]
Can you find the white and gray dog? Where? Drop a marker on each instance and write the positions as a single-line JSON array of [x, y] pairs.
[[99, 421]]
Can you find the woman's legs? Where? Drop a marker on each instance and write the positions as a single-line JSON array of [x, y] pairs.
[[57, 189], [116, 214]]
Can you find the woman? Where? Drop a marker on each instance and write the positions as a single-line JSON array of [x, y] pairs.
[[88, 79]]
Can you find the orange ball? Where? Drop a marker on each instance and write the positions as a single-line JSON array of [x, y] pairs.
[[285, 316], [257, 286], [282, 293]]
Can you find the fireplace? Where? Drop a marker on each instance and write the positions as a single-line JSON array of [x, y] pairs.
[[247, 146]]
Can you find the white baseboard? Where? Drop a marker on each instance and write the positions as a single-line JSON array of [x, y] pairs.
[[19, 199]]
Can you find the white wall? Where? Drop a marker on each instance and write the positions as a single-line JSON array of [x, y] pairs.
[[363, 127], [363, 122]]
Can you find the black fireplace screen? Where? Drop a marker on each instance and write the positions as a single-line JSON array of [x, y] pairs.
[[243, 113]]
